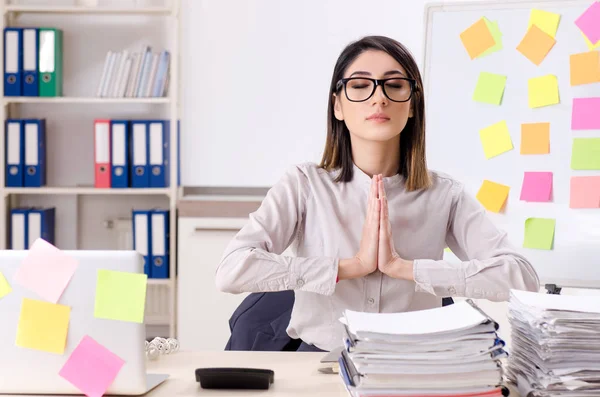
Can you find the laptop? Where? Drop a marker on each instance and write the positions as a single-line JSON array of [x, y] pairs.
[[29, 371]]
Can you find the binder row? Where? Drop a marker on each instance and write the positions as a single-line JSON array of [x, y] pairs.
[[30, 223], [135, 74], [132, 153], [151, 239], [25, 152], [33, 62]]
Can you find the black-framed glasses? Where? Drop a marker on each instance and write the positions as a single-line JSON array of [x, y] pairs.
[[360, 89]]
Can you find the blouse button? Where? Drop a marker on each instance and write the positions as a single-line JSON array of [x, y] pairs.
[[371, 301]]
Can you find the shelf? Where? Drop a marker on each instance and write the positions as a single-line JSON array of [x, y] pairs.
[[87, 10], [76, 100], [86, 191]]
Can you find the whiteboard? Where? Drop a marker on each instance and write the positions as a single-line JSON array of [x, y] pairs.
[[454, 121]]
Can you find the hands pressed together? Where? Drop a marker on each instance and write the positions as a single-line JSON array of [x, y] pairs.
[[377, 245]]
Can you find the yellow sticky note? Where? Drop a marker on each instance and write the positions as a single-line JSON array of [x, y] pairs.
[[495, 139], [43, 326], [543, 91], [535, 138], [447, 249], [539, 233], [477, 38], [5, 288], [489, 88], [536, 44], [493, 195], [496, 34], [545, 20], [590, 45], [585, 67], [120, 296]]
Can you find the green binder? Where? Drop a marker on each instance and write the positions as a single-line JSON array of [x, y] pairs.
[[50, 62]]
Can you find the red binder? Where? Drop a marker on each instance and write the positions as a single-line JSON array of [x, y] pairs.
[[102, 151]]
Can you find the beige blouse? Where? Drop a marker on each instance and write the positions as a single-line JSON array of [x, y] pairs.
[[322, 221]]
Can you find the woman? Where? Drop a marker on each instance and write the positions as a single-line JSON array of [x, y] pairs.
[[370, 223]]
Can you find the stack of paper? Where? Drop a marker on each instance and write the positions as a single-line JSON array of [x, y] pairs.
[[451, 351], [556, 344]]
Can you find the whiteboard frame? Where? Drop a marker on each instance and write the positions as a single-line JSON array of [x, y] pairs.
[[430, 10]]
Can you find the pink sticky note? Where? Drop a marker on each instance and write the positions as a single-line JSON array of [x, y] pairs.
[[585, 192], [91, 368], [46, 270], [585, 114], [537, 186], [588, 22]]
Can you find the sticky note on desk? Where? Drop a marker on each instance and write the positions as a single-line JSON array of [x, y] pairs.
[[43, 326], [585, 113], [545, 20], [543, 91], [535, 138], [588, 22], [493, 195], [495, 139], [5, 288], [536, 44], [477, 38], [539, 233], [120, 296], [585, 154], [489, 88], [585, 192], [91, 367], [46, 270], [537, 186], [584, 68]]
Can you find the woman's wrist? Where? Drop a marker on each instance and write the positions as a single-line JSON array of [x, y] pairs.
[[403, 269], [348, 269]]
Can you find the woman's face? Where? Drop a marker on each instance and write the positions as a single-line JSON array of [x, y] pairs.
[[378, 118]]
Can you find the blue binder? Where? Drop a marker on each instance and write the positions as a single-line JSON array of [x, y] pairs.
[[142, 242], [14, 152], [13, 61], [119, 130], [140, 175], [35, 152], [159, 267], [40, 224], [159, 153], [18, 228], [31, 49]]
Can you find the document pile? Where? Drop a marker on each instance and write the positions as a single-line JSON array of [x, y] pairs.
[[555, 344], [449, 351]]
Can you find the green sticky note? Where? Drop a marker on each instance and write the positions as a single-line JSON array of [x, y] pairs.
[[120, 296], [585, 154], [5, 288], [539, 233], [496, 34], [490, 88]]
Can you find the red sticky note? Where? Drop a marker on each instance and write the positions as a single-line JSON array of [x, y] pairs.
[[46, 270], [91, 368], [585, 192], [537, 186], [585, 114]]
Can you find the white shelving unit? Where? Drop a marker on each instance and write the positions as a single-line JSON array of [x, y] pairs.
[[169, 14]]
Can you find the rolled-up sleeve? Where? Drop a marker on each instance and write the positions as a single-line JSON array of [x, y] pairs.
[[490, 266], [253, 260]]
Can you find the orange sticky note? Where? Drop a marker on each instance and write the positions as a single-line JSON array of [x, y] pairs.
[[585, 192], [536, 44], [585, 68], [492, 195], [535, 138], [477, 38]]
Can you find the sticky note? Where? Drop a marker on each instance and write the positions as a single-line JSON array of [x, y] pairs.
[[496, 34], [590, 45], [585, 68], [120, 296], [477, 38], [537, 186], [545, 20], [5, 288], [43, 326], [493, 195], [91, 367], [588, 22], [543, 91], [585, 113], [535, 138], [46, 270], [585, 192], [539, 233], [585, 154], [489, 88], [495, 139], [536, 44]]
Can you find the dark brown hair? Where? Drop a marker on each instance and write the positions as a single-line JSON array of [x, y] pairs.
[[338, 150]]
